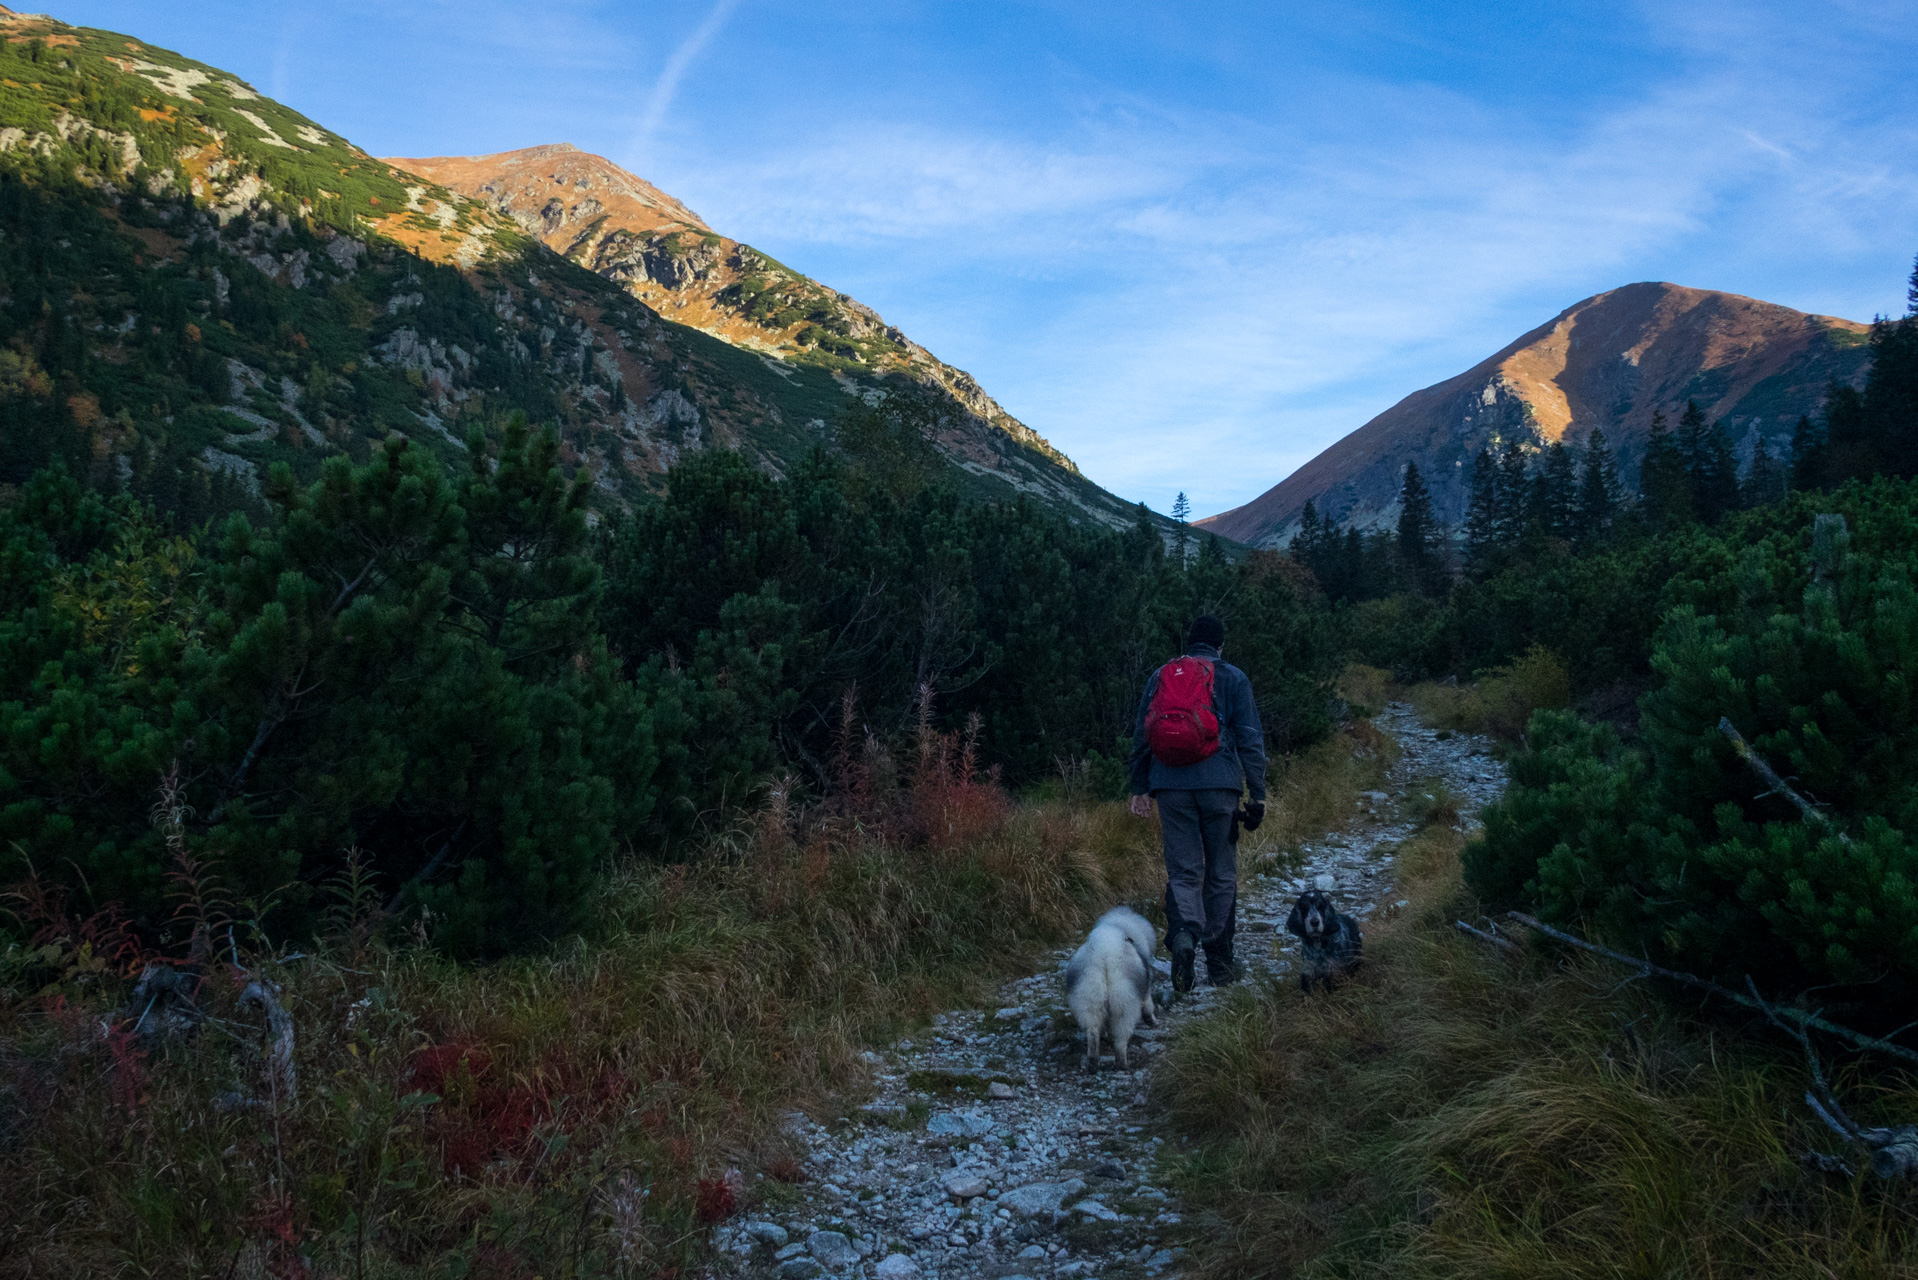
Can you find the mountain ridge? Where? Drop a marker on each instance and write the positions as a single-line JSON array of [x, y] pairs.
[[1609, 361], [221, 284], [625, 229]]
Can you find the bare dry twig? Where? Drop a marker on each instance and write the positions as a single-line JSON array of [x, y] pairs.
[[1769, 776]]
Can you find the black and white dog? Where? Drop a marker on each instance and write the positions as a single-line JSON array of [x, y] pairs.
[[1332, 941]]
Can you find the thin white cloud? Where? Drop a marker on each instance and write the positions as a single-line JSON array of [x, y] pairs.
[[667, 86]]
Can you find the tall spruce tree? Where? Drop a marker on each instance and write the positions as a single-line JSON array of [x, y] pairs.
[[1352, 566], [1807, 455], [1664, 488], [1599, 492], [1514, 490], [1482, 514], [1711, 469], [1418, 534], [1555, 494], [1764, 481], [1305, 545]]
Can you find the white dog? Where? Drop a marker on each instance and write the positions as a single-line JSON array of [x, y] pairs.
[[1109, 982]]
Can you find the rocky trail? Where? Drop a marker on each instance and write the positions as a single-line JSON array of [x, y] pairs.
[[987, 1154]]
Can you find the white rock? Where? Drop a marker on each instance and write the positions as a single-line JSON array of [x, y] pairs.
[[1097, 1209], [960, 1124], [1000, 1089], [964, 1184], [1040, 1197], [832, 1248], [896, 1266]]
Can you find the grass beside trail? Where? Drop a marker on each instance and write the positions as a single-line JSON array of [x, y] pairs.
[[572, 1114], [1457, 1111]]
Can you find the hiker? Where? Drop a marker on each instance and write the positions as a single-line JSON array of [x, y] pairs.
[[1196, 744]]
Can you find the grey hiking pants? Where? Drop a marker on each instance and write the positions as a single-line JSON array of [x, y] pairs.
[[1201, 864]]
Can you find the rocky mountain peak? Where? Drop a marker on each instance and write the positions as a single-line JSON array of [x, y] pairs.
[[1610, 362]]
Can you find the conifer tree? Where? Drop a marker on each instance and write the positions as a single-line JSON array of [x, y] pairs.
[[1691, 436], [1321, 547], [1711, 470], [1719, 478], [1305, 543], [1764, 478], [1484, 514], [1181, 508], [1599, 491], [1352, 566], [1513, 491], [1418, 534], [1555, 493], [1807, 455], [1664, 488]]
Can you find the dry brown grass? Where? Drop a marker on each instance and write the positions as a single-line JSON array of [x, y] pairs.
[[562, 1115], [1365, 689], [1456, 1111], [1316, 791], [1501, 701]]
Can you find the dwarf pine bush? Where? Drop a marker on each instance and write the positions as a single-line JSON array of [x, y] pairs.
[[1671, 846]]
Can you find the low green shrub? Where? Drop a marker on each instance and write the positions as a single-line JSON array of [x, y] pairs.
[[1674, 847]]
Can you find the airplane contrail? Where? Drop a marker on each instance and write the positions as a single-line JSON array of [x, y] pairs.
[[675, 70]]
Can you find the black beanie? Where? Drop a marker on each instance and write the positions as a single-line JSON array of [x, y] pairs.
[[1206, 630]]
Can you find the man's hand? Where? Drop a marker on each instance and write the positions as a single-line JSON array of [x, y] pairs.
[[1254, 814], [1141, 806]]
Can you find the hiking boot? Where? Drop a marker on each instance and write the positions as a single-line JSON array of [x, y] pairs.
[[1220, 969], [1184, 955]]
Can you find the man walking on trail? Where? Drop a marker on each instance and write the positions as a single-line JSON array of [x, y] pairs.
[[1197, 742]]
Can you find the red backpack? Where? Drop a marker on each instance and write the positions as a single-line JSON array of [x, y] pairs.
[[1180, 726]]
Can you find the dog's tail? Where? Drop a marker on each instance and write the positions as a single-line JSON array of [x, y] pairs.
[[1088, 998]]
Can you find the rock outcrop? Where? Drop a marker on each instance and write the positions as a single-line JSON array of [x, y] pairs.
[[1611, 361]]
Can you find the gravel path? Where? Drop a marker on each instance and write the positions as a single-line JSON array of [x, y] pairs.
[[987, 1154]]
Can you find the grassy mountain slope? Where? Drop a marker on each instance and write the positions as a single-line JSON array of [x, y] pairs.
[[197, 282], [1610, 361]]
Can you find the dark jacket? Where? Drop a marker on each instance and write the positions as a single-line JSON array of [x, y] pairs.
[[1240, 759]]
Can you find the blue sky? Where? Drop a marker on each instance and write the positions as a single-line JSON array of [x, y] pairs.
[[1192, 244]]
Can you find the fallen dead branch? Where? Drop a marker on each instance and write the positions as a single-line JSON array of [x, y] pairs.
[[1894, 1152], [1769, 776], [282, 1083], [1649, 969], [1483, 936]]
